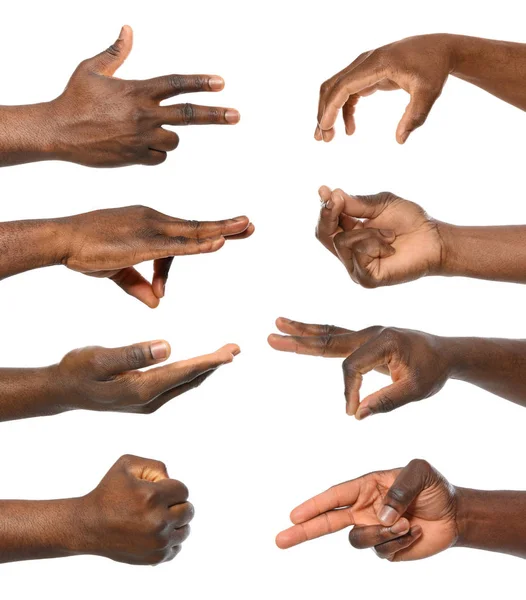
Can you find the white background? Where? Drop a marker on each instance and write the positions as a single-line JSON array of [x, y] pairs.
[[268, 431]]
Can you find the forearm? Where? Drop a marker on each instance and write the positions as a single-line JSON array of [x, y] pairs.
[[26, 393], [495, 66], [42, 529], [496, 365], [27, 245], [495, 253], [494, 521], [27, 134]]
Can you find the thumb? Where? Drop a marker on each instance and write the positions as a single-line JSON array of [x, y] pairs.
[[130, 358], [412, 481], [386, 400], [108, 61], [416, 113]]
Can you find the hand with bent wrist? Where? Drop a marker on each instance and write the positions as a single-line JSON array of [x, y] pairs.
[[420, 65], [109, 243], [105, 379], [410, 514], [383, 239], [418, 363], [136, 515]]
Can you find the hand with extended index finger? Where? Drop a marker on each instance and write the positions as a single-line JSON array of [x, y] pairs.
[[102, 121], [419, 65], [380, 239], [405, 514], [418, 363]]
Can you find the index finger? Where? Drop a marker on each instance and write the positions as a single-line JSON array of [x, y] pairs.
[[162, 379], [324, 524], [303, 329], [167, 86], [206, 229], [337, 496], [363, 75]]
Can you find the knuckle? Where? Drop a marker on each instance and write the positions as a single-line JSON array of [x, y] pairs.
[[177, 83], [187, 113], [134, 356], [324, 87], [384, 404], [419, 465]]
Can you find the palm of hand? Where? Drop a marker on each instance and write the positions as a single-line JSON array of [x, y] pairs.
[[417, 243], [434, 510]]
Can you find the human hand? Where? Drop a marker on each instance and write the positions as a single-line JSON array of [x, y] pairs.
[[136, 514], [380, 239], [103, 121], [417, 362], [107, 379], [419, 65], [108, 243], [404, 514]]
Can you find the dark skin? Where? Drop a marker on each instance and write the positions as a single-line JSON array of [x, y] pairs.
[[136, 515], [412, 513], [102, 121], [106, 379], [108, 243], [421, 65], [383, 239], [418, 363]]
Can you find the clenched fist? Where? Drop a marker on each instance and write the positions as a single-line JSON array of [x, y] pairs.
[[136, 515]]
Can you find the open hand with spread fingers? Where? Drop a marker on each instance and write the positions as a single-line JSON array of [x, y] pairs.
[[106, 379], [380, 239], [103, 121], [109, 243], [404, 514]]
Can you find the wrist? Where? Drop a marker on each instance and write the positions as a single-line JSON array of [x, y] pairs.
[[28, 133], [450, 263]]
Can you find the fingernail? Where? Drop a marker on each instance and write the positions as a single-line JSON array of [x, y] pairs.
[[164, 289], [363, 413], [239, 219], [232, 116], [159, 350], [388, 233], [388, 515], [328, 205], [216, 83], [404, 136], [401, 526]]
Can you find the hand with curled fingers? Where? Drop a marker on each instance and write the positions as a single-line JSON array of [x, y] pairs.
[[380, 239], [419, 65], [403, 514], [102, 121], [106, 379], [417, 362], [108, 243], [136, 515]]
